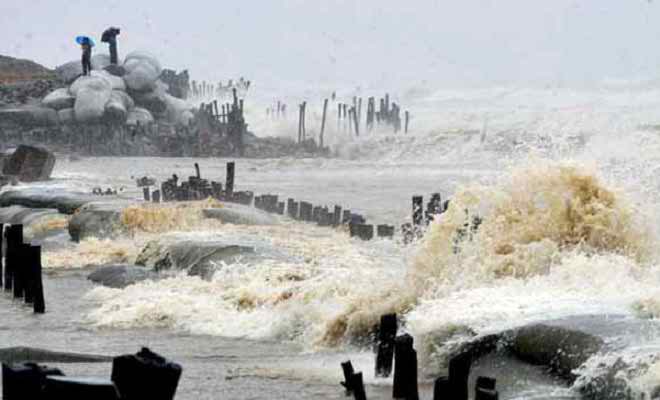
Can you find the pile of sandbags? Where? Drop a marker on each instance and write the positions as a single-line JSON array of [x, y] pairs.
[[131, 93]]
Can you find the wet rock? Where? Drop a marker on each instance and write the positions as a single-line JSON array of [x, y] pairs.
[[196, 257], [97, 220], [154, 101], [70, 71], [120, 276], [116, 83], [59, 99], [64, 202], [116, 110], [25, 216], [29, 116], [30, 164], [561, 349], [240, 215], [14, 355]]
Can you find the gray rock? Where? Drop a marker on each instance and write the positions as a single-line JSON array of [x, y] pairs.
[[195, 257], [59, 99], [70, 71], [30, 164], [116, 83], [97, 220], [25, 216], [64, 202], [90, 105], [120, 276], [94, 82], [154, 101], [240, 215]]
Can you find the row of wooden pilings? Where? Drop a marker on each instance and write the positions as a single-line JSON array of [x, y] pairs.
[[197, 188], [20, 268], [399, 352]]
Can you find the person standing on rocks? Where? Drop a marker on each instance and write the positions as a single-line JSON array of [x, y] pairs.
[[86, 46], [110, 36]]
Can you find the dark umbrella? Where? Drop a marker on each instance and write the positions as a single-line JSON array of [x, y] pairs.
[[109, 33]]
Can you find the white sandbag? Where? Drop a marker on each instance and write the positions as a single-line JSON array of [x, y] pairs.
[[143, 56], [142, 71], [58, 99], [96, 82], [66, 116], [116, 83], [140, 115], [90, 104]]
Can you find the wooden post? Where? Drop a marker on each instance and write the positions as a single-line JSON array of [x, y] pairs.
[[325, 110], [338, 116], [197, 174], [229, 182], [215, 107], [14, 239], [387, 107], [304, 111], [359, 111], [441, 388], [347, 369], [2, 239], [356, 123], [155, 197], [39, 303], [300, 118], [336, 220], [146, 194], [407, 117], [386, 336], [417, 210], [405, 369], [459, 372]]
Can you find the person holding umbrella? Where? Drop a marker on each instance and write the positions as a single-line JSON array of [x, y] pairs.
[[86, 45], [110, 36]]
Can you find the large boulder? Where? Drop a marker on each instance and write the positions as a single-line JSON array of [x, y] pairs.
[[90, 104], [116, 83], [29, 116], [70, 71], [197, 257], [64, 202], [59, 99], [30, 164], [120, 276], [97, 220], [142, 71], [96, 82], [139, 115], [115, 70]]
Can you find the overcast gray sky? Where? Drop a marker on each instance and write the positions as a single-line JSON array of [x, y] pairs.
[[447, 41]]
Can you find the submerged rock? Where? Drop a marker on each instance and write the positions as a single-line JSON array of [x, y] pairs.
[[120, 276]]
